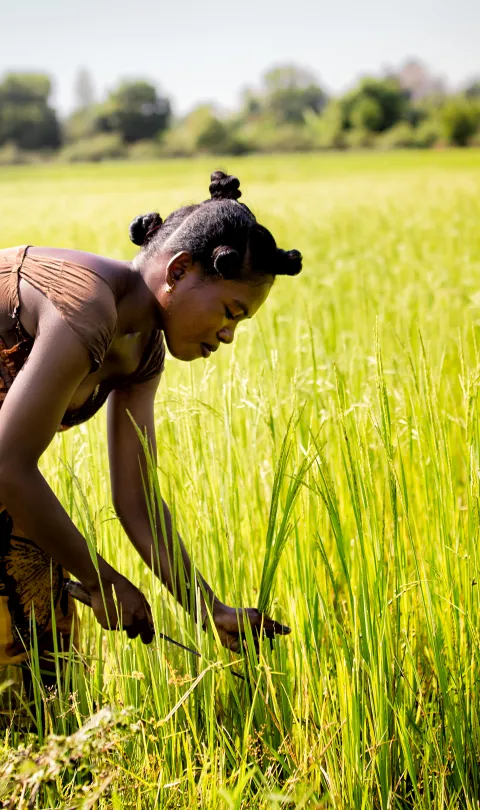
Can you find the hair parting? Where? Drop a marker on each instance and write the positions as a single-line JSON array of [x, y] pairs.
[[221, 233]]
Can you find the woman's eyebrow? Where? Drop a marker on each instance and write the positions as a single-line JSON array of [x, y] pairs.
[[242, 306]]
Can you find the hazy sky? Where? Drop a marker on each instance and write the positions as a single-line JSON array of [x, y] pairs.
[[208, 51]]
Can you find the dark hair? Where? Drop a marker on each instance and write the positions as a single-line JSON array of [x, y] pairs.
[[221, 233]]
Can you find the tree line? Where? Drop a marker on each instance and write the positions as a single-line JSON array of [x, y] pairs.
[[290, 111]]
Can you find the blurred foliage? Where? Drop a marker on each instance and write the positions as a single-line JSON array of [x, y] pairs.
[[203, 131], [83, 761], [460, 119], [145, 150], [375, 104], [26, 119], [134, 111], [287, 93], [359, 138], [327, 130], [473, 89], [428, 133], [367, 114], [104, 146], [288, 112]]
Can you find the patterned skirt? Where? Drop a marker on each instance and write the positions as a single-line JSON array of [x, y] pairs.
[[31, 589]]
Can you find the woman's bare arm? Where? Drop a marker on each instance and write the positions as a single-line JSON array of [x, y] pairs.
[[29, 418], [128, 471]]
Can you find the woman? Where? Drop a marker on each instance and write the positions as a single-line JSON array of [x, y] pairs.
[[93, 329]]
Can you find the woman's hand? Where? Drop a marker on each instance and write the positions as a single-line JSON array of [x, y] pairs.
[[132, 609], [230, 624]]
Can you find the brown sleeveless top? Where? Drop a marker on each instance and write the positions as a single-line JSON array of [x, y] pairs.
[[86, 302]]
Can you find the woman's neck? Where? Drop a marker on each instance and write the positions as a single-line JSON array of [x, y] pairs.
[[138, 309]]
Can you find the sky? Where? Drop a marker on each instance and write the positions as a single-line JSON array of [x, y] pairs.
[[210, 50]]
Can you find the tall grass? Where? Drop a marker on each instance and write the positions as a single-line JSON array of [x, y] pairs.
[[372, 701]]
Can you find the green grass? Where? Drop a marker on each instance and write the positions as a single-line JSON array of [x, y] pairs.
[[373, 701]]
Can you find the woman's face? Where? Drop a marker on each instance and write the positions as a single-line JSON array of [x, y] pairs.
[[200, 313]]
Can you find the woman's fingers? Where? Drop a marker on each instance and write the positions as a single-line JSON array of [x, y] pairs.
[[272, 628], [231, 627], [147, 636], [141, 624], [262, 623], [140, 628], [146, 630]]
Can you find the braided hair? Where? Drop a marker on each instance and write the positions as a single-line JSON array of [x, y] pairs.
[[221, 233]]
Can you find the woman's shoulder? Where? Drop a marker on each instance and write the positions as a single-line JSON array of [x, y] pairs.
[[113, 271], [84, 289]]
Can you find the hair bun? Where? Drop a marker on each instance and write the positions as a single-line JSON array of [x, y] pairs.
[[144, 227], [224, 186], [226, 261], [289, 262]]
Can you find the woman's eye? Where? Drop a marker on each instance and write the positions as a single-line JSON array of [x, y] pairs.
[[229, 315]]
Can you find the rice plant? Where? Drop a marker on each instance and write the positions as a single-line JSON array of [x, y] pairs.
[[325, 468]]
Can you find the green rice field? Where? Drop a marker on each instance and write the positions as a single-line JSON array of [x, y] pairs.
[[372, 356]]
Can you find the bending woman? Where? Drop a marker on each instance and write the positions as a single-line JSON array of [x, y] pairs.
[[77, 330]]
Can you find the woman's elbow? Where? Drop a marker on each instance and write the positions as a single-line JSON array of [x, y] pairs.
[[127, 491], [128, 507]]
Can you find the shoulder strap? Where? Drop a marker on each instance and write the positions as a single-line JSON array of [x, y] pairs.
[[14, 271]]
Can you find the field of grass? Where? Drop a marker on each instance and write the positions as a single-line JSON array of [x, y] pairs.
[[374, 699]]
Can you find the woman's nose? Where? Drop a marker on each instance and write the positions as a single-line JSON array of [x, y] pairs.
[[226, 335]]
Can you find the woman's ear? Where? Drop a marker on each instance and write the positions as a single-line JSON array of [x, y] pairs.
[[177, 267]]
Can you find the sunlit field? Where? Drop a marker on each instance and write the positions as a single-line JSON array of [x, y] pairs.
[[372, 356]]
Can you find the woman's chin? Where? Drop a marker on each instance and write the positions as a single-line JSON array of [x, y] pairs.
[[186, 354]]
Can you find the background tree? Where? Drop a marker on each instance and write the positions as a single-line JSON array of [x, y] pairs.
[[83, 90], [136, 111], [379, 103], [367, 114], [26, 119], [290, 91], [327, 129], [202, 130], [287, 93], [472, 89], [460, 118], [252, 106]]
